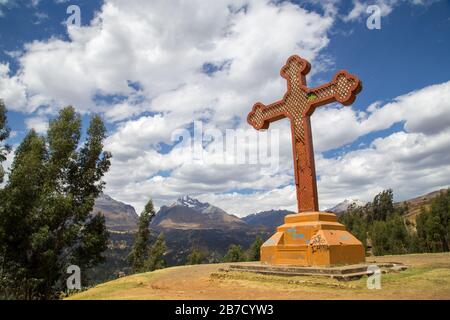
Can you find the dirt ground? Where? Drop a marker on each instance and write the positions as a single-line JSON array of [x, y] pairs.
[[427, 278]]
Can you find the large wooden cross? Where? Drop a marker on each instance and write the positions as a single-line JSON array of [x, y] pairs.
[[298, 104]]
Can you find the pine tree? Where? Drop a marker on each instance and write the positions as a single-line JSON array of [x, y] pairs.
[[255, 248], [4, 134], [383, 205], [196, 256], [139, 252], [390, 236], [156, 254], [234, 254], [433, 225], [380, 238], [19, 218], [45, 212]]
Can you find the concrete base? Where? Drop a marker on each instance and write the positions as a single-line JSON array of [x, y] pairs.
[[348, 272], [312, 239]]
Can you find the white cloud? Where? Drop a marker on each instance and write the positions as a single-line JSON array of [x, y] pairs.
[[133, 41], [12, 91], [6, 165], [423, 111], [411, 162], [8, 4], [243, 204], [39, 124], [40, 17], [162, 47]]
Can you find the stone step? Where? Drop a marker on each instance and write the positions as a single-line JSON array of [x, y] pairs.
[[345, 277], [303, 270], [341, 272]]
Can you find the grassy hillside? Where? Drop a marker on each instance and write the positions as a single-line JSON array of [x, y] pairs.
[[415, 204], [427, 278]]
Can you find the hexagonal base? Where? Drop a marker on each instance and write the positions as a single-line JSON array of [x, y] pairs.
[[312, 239]]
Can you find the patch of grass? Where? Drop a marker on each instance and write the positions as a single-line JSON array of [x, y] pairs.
[[117, 289], [292, 282], [114, 287]]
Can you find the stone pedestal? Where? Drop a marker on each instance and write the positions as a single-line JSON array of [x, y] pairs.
[[312, 239]]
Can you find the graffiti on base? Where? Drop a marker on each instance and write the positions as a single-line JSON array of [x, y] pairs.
[[318, 244]]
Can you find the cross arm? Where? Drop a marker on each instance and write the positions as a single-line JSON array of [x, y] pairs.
[[343, 88], [261, 116]]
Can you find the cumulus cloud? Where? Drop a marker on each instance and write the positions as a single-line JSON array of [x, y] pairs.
[[154, 67], [133, 41], [423, 111], [243, 204], [38, 123], [12, 90], [412, 161]]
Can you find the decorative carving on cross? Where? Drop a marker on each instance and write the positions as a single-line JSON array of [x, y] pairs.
[[298, 104]]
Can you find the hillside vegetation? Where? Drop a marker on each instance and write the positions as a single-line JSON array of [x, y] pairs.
[[383, 227]]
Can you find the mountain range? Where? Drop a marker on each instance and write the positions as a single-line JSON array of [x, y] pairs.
[[187, 213], [189, 223]]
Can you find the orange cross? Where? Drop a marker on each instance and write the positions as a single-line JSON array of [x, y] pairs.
[[298, 104]]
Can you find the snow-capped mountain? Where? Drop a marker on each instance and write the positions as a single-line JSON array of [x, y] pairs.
[[190, 213], [187, 201], [344, 205]]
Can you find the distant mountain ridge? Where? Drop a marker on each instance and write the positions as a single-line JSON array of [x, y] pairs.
[[269, 219], [344, 205], [415, 204], [190, 213], [119, 216]]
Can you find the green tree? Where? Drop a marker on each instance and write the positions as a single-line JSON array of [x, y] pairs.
[[380, 238], [390, 236], [4, 134], [355, 223], [213, 257], [196, 256], [18, 217], [433, 225], [139, 252], [156, 254], [234, 254], [382, 205], [255, 249], [383, 224], [45, 210]]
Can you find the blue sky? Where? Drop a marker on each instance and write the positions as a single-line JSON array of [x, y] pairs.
[[401, 65]]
